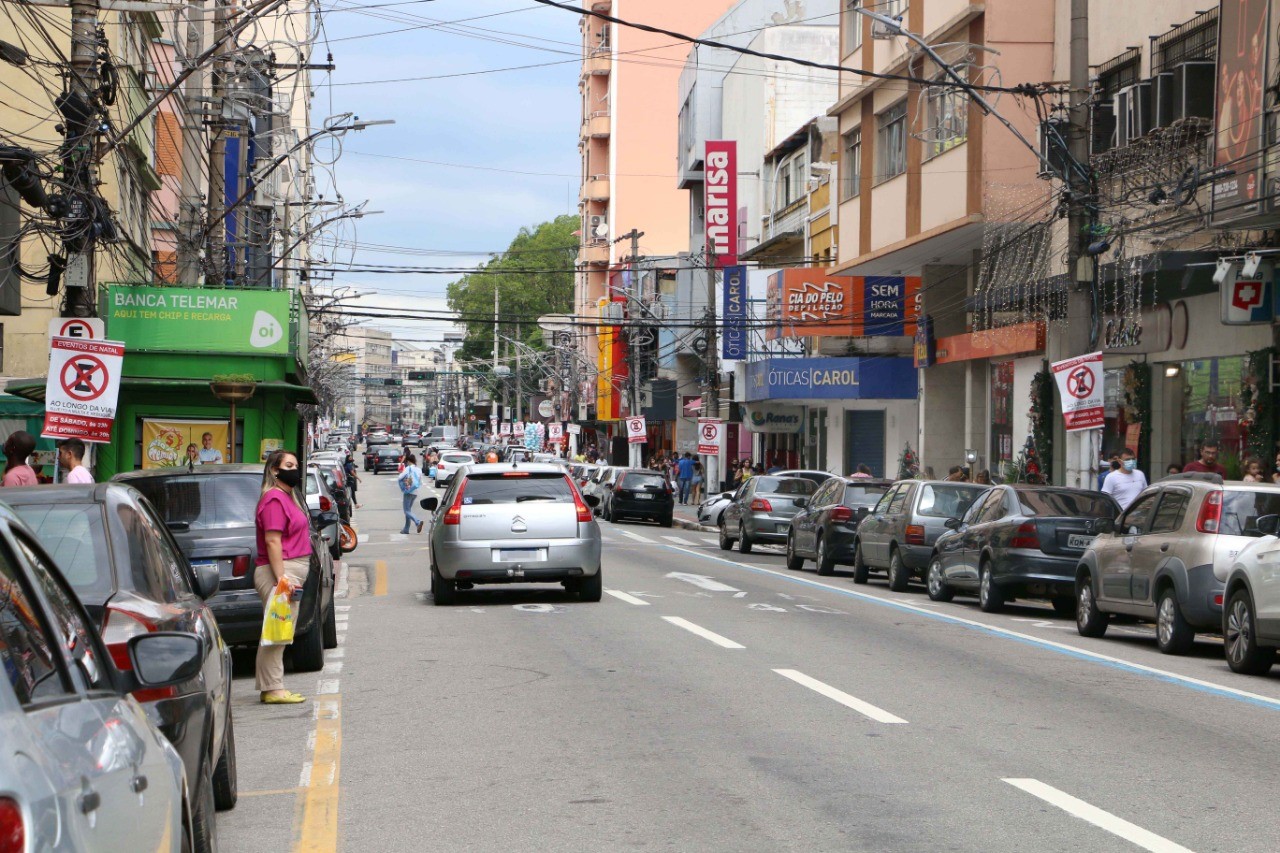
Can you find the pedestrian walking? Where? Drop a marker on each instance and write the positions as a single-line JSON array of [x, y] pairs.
[[410, 481], [1125, 483], [353, 481], [1208, 461], [956, 474], [284, 554], [684, 476], [695, 484], [17, 448], [71, 459]]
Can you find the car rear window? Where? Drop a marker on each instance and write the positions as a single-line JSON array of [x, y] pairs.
[[1242, 509], [947, 501], [863, 495], [786, 486], [388, 451], [203, 502], [640, 480], [76, 539], [1063, 503], [459, 458], [511, 487]]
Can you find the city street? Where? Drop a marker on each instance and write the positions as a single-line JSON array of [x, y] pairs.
[[715, 701]]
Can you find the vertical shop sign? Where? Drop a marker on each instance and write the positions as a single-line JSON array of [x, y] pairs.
[[720, 202], [735, 313], [1239, 111]]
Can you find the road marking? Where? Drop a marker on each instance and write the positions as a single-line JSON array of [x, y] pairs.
[[760, 605], [722, 642], [399, 537], [1096, 816], [706, 540], [318, 818], [380, 577], [739, 595], [327, 687], [702, 582], [332, 667], [628, 598], [866, 709], [676, 539], [1197, 684], [342, 608], [636, 536], [276, 792]]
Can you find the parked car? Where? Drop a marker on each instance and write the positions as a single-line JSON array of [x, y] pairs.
[[1251, 618], [580, 473], [78, 751], [598, 487], [642, 494], [818, 477], [1167, 558], [1018, 541], [449, 463], [711, 509], [210, 512], [384, 458], [498, 523], [761, 510], [412, 439], [323, 508], [825, 530], [132, 578], [899, 532]]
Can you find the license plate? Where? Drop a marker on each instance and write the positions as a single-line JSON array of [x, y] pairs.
[[518, 555], [643, 497], [1077, 540]]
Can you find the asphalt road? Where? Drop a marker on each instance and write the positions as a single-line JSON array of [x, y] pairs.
[[716, 701]]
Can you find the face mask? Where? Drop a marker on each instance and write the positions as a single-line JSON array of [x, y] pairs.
[[291, 477], [1130, 464]]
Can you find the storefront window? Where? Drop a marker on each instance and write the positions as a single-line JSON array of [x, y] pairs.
[[1001, 415], [1212, 409], [1117, 432]]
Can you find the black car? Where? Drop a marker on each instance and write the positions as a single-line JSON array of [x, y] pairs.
[[1018, 542], [824, 529], [133, 579], [383, 459], [642, 494], [210, 511]]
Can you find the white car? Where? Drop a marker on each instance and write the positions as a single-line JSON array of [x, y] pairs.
[[1251, 605], [450, 462]]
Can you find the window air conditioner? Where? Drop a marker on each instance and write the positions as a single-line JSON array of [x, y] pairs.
[[598, 227], [1162, 99], [1102, 128], [1120, 139], [1193, 84]]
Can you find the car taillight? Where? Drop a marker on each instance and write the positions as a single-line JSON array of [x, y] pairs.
[[120, 627], [13, 831], [915, 534], [842, 513], [584, 511], [453, 515], [240, 566], [325, 504], [1025, 536], [761, 505], [1210, 512]]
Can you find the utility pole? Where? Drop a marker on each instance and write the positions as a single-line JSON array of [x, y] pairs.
[[191, 194], [79, 160], [218, 146], [633, 335], [711, 361]]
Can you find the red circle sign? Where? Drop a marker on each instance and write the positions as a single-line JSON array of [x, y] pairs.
[[1080, 383], [635, 425], [84, 378], [709, 431], [76, 328]]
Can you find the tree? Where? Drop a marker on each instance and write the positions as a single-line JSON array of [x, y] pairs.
[[534, 276]]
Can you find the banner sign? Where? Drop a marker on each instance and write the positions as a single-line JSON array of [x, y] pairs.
[[1248, 300], [81, 391], [773, 417], [807, 302], [924, 349], [1080, 389], [710, 436], [720, 211], [636, 430], [1240, 110], [854, 378], [575, 429], [196, 319], [171, 443], [555, 432], [735, 313], [504, 428]]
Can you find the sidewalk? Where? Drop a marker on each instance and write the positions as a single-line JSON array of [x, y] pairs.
[[687, 517]]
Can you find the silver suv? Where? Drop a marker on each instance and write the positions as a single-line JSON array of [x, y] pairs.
[[1251, 619], [1166, 559]]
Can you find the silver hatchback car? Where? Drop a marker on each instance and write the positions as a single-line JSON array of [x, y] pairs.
[[521, 522]]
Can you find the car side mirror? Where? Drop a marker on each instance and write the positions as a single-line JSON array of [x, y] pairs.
[[727, 495], [164, 659], [1269, 525], [1099, 526], [207, 581], [429, 504], [952, 524], [802, 502], [591, 500]]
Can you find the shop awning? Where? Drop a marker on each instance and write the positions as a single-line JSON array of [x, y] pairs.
[[693, 406], [33, 389], [17, 407]]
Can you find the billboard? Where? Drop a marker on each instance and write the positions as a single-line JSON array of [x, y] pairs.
[[1238, 109], [720, 202], [196, 319], [809, 303]]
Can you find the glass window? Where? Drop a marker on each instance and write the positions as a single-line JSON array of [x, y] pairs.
[[824, 495], [891, 142], [28, 651], [1168, 517], [947, 116], [851, 182], [1241, 511], [76, 539], [203, 502], [1051, 502], [171, 561], [1138, 515], [150, 576], [504, 489], [785, 485], [1001, 415], [67, 619], [851, 22], [900, 497], [946, 501], [856, 496], [886, 499], [1213, 409], [992, 508], [640, 480]]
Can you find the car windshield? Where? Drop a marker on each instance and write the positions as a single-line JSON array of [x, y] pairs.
[[641, 480], [1242, 509], [516, 487], [76, 539], [818, 477], [313, 485], [1065, 504], [389, 452], [203, 502], [863, 495], [786, 486], [948, 501], [459, 458]]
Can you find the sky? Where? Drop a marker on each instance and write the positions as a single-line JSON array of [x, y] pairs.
[[518, 121]]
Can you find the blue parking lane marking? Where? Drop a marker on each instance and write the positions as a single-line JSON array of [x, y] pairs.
[[1004, 633]]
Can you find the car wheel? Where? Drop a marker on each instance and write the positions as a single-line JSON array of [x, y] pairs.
[[826, 565], [1174, 635], [667, 521], [859, 565], [990, 599], [1063, 605], [226, 789], [308, 650], [899, 577], [794, 561], [349, 540], [203, 833], [613, 516], [443, 592], [744, 544], [591, 587], [938, 588], [1244, 655], [1090, 621], [331, 625], [726, 544]]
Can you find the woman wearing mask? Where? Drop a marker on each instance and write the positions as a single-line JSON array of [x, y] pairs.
[[284, 552], [17, 448]]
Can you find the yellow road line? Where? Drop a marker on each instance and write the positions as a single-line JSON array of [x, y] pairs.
[[318, 821], [380, 577]]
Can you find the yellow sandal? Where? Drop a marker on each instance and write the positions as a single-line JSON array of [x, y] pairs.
[[286, 699]]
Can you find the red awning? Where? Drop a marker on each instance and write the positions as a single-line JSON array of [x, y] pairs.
[[693, 406]]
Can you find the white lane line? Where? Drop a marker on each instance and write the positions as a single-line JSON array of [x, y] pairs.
[[635, 536], [327, 686], [676, 539], [706, 540], [722, 642], [1096, 816], [702, 582], [866, 709], [627, 597]]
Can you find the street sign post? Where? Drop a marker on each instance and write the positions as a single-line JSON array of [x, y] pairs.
[[710, 436], [82, 389], [636, 433]]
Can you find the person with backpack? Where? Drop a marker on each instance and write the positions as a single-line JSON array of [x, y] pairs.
[[410, 480]]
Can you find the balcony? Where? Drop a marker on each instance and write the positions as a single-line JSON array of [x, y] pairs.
[[596, 252], [601, 5], [598, 124], [598, 63], [596, 188]]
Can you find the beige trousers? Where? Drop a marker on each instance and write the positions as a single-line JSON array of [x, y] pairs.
[[269, 670]]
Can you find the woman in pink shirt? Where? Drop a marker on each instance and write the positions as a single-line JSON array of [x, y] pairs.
[[284, 552], [17, 447]]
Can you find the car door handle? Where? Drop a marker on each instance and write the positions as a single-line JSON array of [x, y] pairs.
[[90, 801], [139, 784], [1164, 547]]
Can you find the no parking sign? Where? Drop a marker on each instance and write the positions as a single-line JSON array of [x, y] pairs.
[[1080, 387], [710, 435], [82, 389], [636, 430]]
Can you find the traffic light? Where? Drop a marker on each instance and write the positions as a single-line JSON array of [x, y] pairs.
[[392, 382], [422, 375]]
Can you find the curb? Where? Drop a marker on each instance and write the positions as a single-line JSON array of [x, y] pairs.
[[686, 524]]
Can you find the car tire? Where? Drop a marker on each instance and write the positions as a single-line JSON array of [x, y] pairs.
[[667, 521], [899, 577], [330, 634], [726, 544], [1090, 621], [990, 598], [613, 516], [1063, 605], [204, 838], [794, 561], [226, 788], [308, 650], [826, 565], [1174, 635], [591, 587], [860, 570], [744, 543], [939, 590], [1240, 640], [443, 592]]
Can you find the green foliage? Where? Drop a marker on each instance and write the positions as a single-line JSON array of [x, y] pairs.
[[533, 277], [234, 377], [1137, 405], [1259, 417], [1042, 418]]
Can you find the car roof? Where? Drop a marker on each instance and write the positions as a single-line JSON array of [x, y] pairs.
[[61, 493], [197, 470], [501, 467]]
